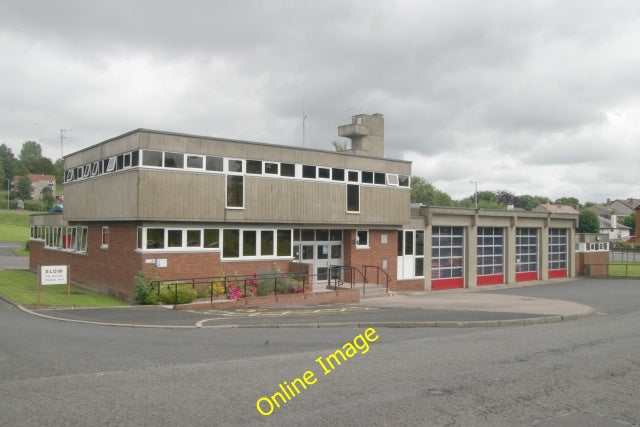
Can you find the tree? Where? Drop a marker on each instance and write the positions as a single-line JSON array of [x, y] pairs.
[[24, 189], [505, 197], [8, 161], [528, 202], [47, 198], [568, 201], [588, 222], [31, 155], [425, 193], [59, 168], [630, 221], [486, 200]]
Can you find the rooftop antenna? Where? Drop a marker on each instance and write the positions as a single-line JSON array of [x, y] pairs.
[[304, 117], [62, 137]]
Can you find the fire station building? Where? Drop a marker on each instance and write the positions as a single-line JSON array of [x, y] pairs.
[[190, 206]]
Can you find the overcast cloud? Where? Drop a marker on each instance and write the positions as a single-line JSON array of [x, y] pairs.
[[533, 97]]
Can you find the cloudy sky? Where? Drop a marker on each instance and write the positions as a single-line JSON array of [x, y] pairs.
[[532, 97]]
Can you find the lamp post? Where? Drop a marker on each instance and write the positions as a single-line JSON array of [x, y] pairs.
[[8, 191], [476, 183]]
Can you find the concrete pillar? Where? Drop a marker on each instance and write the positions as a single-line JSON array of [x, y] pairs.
[[543, 251], [471, 254], [510, 252]]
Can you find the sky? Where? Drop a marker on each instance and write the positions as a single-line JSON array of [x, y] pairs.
[[530, 97]]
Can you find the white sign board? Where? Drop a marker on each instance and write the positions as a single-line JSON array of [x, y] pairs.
[[53, 275]]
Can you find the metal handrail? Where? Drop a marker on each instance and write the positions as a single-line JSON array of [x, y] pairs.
[[228, 279], [378, 271]]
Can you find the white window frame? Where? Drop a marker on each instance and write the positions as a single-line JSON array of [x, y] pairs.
[[359, 245]]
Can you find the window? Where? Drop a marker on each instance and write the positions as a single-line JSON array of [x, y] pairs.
[[392, 179], [234, 166], [490, 243], [367, 177], [69, 176], [324, 173], [379, 178], [287, 169], [235, 191], [353, 176], [211, 238], [152, 158], [249, 243], [284, 243], [309, 171], [111, 164], [127, 160], [230, 243], [194, 238], [353, 198], [134, 158], [271, 168], [214, 164], [337, 174], [174, 238], [87, 171], [95, 168], [266, 242], [447, 252], [403, 180], [155, 238], [557, 248], [195, 162], [174, 160], [254, 167], [526, 250], [105, 237], [362, 238]]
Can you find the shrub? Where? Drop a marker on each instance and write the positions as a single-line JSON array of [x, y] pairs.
[[183, 295], [142, 289]]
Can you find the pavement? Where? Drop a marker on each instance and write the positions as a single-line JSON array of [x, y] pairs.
[[448, 308]]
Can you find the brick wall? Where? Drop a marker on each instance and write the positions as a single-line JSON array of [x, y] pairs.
[[110, 271], [412, 285], [312, 298], [599, 262], [373, 255]]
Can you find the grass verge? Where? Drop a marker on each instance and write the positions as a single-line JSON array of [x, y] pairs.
[[624, 269], [21, 287]]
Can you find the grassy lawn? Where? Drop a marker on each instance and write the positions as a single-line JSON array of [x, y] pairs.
[[21, 287], [624, 269], [14, 226]]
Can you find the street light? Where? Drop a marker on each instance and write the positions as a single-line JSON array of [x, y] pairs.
[[476, 183]]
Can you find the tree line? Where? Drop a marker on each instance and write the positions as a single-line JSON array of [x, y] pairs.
[[425, 193], [29, 160]]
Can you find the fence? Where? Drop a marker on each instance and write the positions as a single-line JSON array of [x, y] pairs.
[[624, 255], [613, 270], [236, 286]]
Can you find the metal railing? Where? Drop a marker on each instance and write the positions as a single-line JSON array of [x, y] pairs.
[[629, 271], [378, 271], [624, 255], [337, 276], [235, 287]]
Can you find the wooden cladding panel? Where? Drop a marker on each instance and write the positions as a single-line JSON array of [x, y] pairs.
[[111, 197]]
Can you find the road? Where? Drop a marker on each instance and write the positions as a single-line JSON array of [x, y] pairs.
[[8, 260], [582, 372]]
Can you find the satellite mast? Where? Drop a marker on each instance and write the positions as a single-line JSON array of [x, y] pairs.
[[62, 137], [304, 117]]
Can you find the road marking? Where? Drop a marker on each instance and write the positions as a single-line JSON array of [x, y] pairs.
[[264, 312], [201, 322]]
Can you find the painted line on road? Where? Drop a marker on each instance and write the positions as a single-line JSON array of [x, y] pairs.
[[200, 324]]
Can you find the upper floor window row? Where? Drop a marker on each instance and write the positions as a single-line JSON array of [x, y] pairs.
[[198, 162]]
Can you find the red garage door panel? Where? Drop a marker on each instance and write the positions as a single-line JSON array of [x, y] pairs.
[[554, 274], [493, 279], [440, 284], [526, 276]]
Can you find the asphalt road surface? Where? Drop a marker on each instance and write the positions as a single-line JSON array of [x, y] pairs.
[[581, 372]]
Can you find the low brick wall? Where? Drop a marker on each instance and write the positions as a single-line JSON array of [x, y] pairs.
[[308, 298], [413, 285]]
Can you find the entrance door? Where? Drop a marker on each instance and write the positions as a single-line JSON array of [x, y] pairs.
[[322, 249]]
